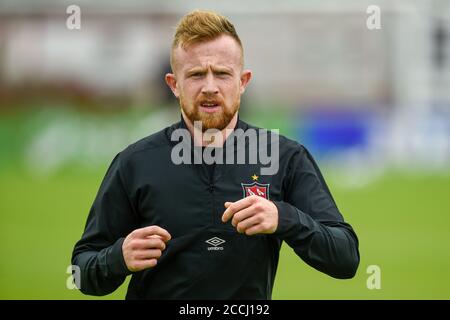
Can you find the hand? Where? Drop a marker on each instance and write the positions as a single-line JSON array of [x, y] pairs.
[[142, 247], [252, 215]]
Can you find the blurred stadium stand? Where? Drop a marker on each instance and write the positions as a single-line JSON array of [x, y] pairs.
[[385, 90]]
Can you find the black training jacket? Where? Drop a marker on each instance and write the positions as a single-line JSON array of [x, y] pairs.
[[208, 259]]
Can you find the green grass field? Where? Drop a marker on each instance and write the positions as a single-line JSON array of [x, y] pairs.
[[402, 222]]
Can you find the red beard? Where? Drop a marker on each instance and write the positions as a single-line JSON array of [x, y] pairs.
[[215, 120]]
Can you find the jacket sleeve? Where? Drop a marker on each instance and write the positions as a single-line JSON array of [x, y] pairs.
[[310, 222], [98, 253]]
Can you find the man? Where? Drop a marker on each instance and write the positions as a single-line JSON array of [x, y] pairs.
[[202, 230]]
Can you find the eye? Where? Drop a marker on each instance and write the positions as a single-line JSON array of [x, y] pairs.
[[195, 75], [222, 73]]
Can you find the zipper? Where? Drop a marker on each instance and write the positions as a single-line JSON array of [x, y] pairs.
[[211, 191]]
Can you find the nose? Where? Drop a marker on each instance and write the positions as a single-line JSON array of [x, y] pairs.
[[210, 86]]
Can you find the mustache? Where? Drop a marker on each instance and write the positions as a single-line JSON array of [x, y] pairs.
[[209, 100]]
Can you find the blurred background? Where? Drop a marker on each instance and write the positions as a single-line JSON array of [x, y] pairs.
[[372, 105]]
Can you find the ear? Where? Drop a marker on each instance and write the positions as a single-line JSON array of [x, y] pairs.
[[171, 81], [246, 75]]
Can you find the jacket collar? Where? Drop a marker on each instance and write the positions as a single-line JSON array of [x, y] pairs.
[[239, 125], [182, 125]]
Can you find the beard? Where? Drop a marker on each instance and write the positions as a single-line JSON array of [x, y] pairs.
[[216, 120]]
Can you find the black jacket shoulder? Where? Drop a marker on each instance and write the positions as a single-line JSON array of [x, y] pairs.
[[152, 141]]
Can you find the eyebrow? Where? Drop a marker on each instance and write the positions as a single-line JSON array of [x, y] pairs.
[[203, 70], [195, 70]]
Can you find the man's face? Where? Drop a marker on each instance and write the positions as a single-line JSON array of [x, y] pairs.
[[208, 80]]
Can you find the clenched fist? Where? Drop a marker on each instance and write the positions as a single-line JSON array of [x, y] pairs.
[[142, 248], [252, 215]]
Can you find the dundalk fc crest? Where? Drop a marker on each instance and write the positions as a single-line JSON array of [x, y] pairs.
[[256, 188]]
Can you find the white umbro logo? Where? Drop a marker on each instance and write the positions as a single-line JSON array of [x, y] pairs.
[[215, 242]]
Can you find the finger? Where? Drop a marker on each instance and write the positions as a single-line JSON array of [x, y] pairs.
[[153, 230], [149, 243], [156, 231], [242, 215], [155, 236], [148, 254], [256, 229], [248, 223], [237, 206], [145, 264]]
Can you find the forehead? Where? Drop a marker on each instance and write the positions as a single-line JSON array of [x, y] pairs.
[[224, 51]]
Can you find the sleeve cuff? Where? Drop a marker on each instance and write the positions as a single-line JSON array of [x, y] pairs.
[[116, 262], [288, 219]]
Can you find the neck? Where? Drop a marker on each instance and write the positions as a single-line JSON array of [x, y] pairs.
[[207, 138]]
